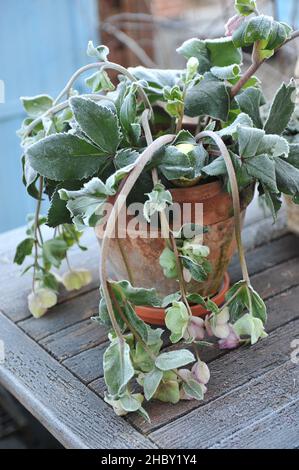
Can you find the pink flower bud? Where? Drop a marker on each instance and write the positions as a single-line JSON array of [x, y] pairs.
[[233, 24], [195, 329], [201, 372], [231, 341]]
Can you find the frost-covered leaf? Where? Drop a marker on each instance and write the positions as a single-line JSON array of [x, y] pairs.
[[241, 120], [249, 101], [210, 97], [99, 52], [36, 106], [245, 7], [226, 73], [98, 122], [23, 249], [62, 157], [282, 109], [287, 177], [137, 295]]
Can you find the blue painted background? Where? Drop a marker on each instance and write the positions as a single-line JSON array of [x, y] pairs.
[[42, 42]]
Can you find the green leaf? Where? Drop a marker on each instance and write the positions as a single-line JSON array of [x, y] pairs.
[[172, 163], [249, 101], [241, 120], [167, 262], [216, 168], [226, 73], [210, 97], [282, 109], [280, 32], [35, 106], [131, 403], [29, 178], [168, 390], [262, 168], [125, 157], [99, 52], [176, 320], [259, 309], [256, 29], [293, 157], [128, 113], [98, 122], [157, 79], [58, 213], [287, 177], [157, 201], [174, 359], [23, 249], [245, 7], [118, 369], [249, 140], [99, 81], [138, 295], [65, 157], [193, 389], [198, 271], [135, 321], [219, 52], [250, 326], [274, 146], [151, 382], [54, 251]]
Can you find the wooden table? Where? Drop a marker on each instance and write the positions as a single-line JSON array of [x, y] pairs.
[[53, 366]]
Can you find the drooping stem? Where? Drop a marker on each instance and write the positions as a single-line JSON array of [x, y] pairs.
[[37, 228], [165, 230], [120, 202], [235, 196], [104, 66]]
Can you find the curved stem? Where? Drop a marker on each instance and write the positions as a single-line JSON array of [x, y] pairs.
[[103, 66], [57, 108], [120, 202], [235, 196], [36, 228]]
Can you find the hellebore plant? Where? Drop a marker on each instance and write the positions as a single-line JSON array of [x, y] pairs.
[[130, 141]]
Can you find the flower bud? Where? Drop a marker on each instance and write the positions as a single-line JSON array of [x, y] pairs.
[[201, 372], [40, 300], [76, 279], [195, 329], [232, 341], [219, 324], [233, 24]]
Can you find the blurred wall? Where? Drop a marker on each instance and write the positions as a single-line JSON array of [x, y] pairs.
[[42, 42]]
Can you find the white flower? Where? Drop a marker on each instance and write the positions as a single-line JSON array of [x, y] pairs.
[[195, 329], [201, 372], [218, 325], [76, 279], [40, 300]]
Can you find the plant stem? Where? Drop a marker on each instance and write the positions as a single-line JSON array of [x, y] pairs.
[[230, 300], [37, 228], [235, 196], [180, 275]]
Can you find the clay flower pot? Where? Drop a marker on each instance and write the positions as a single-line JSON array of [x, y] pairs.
[[156, 316], [142, 254]]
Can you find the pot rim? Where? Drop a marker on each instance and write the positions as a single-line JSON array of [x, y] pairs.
[[156, 316]]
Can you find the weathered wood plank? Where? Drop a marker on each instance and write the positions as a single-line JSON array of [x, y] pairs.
[[15, 288], [62, 316], [232, 373], [256, 400], [280, 430], [66, 407], [267, 256], [74, 339], [228, 372], [88, 365]]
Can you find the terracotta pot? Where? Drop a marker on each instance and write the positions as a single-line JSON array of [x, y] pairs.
[[156, 316], [142, 254]]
